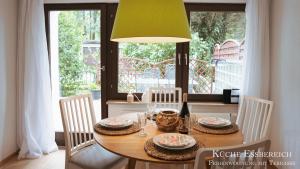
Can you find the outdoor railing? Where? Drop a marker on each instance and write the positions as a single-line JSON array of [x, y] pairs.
[[136, 74]]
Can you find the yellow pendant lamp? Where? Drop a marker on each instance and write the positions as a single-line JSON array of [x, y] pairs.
[[151, 21]]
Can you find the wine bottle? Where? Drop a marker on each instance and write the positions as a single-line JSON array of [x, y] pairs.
[[184, 116], [184, 110]]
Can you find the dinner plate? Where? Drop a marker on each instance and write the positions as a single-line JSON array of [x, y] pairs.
[[115, 123], [214, 122], [174, 141]]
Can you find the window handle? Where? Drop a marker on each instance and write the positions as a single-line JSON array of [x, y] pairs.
[[186, 59], [179, 58], [102, 68]]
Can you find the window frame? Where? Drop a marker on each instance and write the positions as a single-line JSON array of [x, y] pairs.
[[109, 49]]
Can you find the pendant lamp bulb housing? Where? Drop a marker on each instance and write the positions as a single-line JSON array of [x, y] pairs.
[[151, 21]]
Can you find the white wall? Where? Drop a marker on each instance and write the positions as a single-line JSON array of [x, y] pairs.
[[285, 77], [8, 31]]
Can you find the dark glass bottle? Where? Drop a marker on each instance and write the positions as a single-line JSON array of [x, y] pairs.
[[184, 116], [184, 110]]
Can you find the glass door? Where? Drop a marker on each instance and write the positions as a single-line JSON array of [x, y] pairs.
[[76, 56]]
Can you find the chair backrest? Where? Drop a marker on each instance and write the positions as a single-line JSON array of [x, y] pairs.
[[166, 97], [78, 118], [240, 156], [253, 118]]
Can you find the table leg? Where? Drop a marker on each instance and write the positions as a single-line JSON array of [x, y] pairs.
[[131, 164]]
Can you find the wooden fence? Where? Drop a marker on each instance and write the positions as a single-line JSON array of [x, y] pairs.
[[225, 71]]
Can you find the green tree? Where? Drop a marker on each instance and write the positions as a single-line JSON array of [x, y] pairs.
[[70, 35], [199, 49], [236, 25], [215, 27], [207, 28], [153, 52], [90, 20]]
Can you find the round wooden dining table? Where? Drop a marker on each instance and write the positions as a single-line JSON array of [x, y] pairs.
[[132, 146]]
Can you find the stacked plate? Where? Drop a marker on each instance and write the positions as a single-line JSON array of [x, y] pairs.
[[116, 123], [215, 122], [174, 141]]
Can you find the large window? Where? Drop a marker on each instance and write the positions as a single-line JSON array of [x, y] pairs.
[[211, 62]]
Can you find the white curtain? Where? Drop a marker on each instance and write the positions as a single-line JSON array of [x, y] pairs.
[[257, 61], [35, 129]]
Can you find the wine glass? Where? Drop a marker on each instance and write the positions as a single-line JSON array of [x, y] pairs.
[[187, 123], [142, 120], [151, 110], [193, 121]]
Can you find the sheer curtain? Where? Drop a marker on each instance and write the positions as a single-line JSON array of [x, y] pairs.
[[257, 61], [35, 131]]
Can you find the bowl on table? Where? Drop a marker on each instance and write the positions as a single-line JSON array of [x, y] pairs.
[[167, 120]]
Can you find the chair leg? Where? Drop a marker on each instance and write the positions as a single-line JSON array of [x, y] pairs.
[[185, 166], [147, 165], [131, 164]]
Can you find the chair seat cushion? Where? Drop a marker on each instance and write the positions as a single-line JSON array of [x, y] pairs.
[[96, 157]]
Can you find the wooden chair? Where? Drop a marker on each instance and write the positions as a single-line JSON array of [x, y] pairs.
[[166, 97], [253, 118], [82, 152], [211, 157]]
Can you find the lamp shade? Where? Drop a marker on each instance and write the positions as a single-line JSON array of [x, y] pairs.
[[151, 21]]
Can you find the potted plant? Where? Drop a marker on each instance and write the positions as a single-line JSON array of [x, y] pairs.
[[95, 90]]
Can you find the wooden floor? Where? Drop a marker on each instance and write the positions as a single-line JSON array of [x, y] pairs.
[[56, 160]]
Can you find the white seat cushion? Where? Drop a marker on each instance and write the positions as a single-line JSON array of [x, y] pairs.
[[96, 157]]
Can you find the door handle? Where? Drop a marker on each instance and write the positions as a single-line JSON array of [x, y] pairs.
[[102, 68], [179, 58], [186, 59]]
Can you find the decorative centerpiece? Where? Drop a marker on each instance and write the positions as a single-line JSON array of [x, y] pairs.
[[167, 120]]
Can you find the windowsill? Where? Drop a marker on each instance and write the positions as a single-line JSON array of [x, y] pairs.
[[191, 103], [117, 107]]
